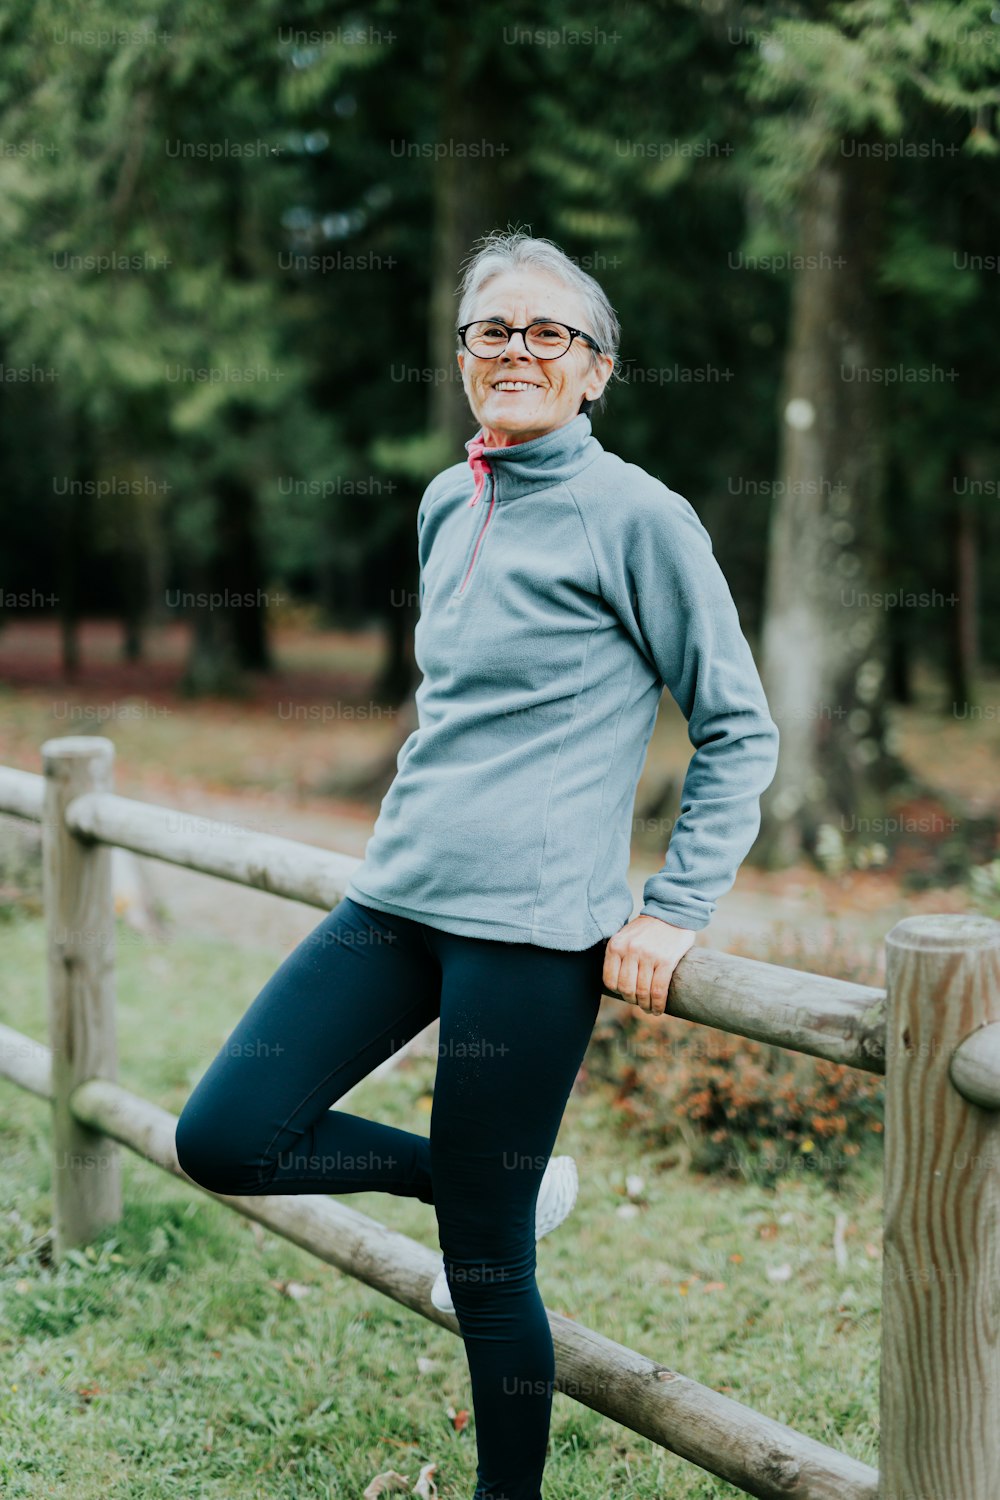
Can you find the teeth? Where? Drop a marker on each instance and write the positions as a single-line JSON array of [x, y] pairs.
[[515, 385]]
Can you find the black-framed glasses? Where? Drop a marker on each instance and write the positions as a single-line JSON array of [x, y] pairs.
[[486, 338]]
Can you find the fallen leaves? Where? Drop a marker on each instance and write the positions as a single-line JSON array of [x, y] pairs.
[[634, 1192], [695, 1282], [390, 1480], [294, 1289], [382, 1483]]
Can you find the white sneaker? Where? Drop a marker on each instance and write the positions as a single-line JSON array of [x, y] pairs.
[[556, 1197]]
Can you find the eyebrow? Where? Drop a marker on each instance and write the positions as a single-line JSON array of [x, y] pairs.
[[536, 318]]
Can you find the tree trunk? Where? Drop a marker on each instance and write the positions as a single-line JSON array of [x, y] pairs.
[[212, 667], [963, 637], [899, 621], [469, 198], [68, 554], [131, 541], [236, 565], [239, 569], [825, 635], [74, 515]]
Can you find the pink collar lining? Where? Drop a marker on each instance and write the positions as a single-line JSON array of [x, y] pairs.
[[478, 465]]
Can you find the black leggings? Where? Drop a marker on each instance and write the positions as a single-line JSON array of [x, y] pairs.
[[515, 1022]]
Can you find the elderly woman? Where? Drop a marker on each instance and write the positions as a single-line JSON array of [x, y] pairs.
[[561, 589]]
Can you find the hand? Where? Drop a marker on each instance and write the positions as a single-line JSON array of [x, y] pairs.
[[640, 959]]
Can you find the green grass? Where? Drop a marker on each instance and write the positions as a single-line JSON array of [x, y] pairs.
[[164, 1362]]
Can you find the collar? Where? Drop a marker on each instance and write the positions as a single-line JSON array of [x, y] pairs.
[[543, 461]]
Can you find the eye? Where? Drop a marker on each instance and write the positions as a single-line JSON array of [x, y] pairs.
[[549, 332]]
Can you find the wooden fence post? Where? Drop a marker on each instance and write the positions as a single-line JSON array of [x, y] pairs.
[[940, 1371], [80, 927]]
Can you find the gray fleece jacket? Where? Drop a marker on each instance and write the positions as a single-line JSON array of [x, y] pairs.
[[557, 599]]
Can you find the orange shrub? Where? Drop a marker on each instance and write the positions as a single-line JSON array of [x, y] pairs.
[[743, 1108]]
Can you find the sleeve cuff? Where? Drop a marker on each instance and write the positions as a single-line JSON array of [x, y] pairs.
[[677, 917]]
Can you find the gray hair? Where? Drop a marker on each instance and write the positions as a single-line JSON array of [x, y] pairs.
[[513, 250]]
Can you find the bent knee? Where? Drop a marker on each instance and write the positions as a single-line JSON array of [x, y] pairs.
[[205, 1157]]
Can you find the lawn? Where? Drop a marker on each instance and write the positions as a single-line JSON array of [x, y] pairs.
[[189, 1353]]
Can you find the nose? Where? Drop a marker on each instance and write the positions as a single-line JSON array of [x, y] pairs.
[[510, 352]]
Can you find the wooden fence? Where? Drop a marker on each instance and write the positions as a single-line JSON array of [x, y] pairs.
[[934, 1033]]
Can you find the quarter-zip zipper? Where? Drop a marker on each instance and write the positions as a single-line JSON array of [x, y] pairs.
[[479, 538]]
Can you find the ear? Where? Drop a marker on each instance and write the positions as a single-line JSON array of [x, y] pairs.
[[599, 376]]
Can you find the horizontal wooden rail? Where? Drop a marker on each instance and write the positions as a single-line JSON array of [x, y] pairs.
[[22, 793], [761, 1456], [263, 861], [975, 1067], [828, 1018], [25, 1062]]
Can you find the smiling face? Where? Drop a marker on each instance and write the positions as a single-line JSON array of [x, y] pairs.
[[516, 397]]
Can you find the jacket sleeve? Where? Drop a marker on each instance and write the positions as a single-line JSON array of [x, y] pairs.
[[664, 581], [425, 537], [425, 500], [421, 513]]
